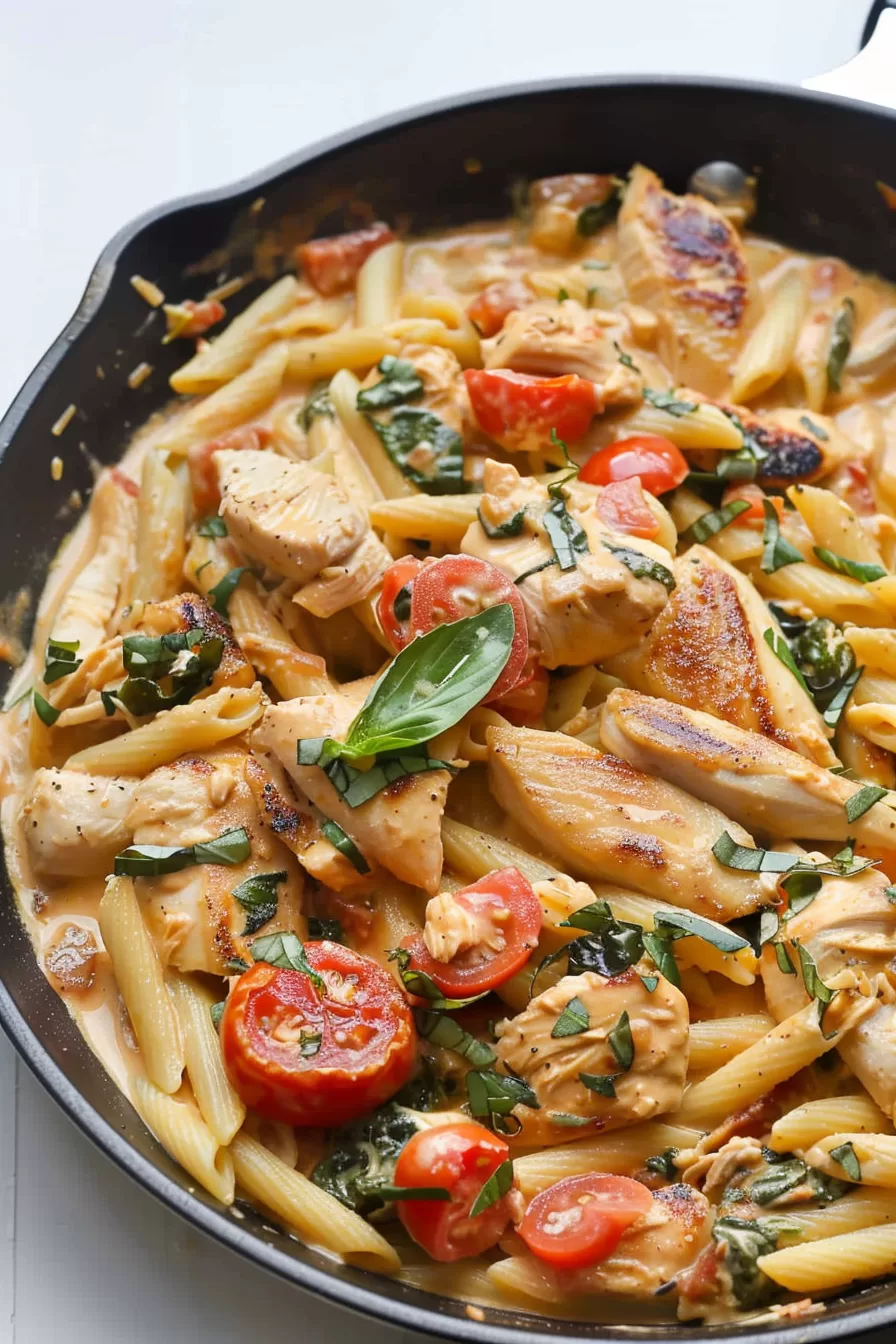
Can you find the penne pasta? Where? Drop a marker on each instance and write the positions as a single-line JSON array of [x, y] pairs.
[[239, 344], [219, 1105], [185, 1136], [812, 1122], [161, 524], [770, 346], [378, 287], [823, 1265], [246, 396]]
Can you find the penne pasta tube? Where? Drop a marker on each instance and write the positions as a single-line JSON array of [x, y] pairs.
[[812, 1122], [161, 523], [871, 1160], [713, 1042], [219, 1105], [183, 1133], [444, 519], [823, 1265], [378, 286], [344, 390], [241, 341], [353, 348], [235, 403], [621, 1153], [769, 348]]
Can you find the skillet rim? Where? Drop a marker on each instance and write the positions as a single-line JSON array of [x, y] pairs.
[[410, 1311]]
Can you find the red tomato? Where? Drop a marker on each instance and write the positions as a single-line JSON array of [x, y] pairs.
[[398, 576], [755, 496], [205, 314], [580, 1220], [461, 585], [489, 309], [519, 410], [204, 474], [851, 484], [506, 900], [332, 264], [525, 703], [460, 1158], [361, 1022], [621, 506], [656, 460]]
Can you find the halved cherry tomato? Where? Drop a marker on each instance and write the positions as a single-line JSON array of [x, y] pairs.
[[203, 472], [309, 1057], [460, 1158], [462, 585], [489, 309], [331, 264], [519, 410], [525, 703], [509, 910], [656, 460], [396, 625], [205, 314], [621, 506], [755, 496], [580, 1220]]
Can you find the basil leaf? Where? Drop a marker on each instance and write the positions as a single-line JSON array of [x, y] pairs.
[[890, 893], [258, 897], [817, 430], [61, 660], [778, 551], [390, 1193], [854, 569], [567, 537], [318, 404], [236, 965], [625, 359], [594, 217], [641, 565], [492, 1096], [400, 383], [841, 343], [569, 1121], [603, 1084], [667, 401], [832, 714], [781, 651], [845, 1155], [802, 887], [649, 982], [213, 526], [345, 844], [512, 528], [425, 450], [309, 1043], [216, 1012], [595, 265], [686, 924], [562, 295], [663, 1164], [44, 710], [356, 787], [815, 986], [785, 965], [621, 1043], [844, 863], [779, 1180], [286, 951], [417, 982], [708, 524], [659, 950], [327, 930], [745, 1240], [220, 595], [495, 1188], [572, 1021], [860, 802], [732, 855], [536, 569], [230, 848], [450, 1035]]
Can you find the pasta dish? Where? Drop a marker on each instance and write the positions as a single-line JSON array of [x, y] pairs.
[[451, 784]]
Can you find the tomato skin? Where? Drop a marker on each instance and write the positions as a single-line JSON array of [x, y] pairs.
[[526, 703], [519, 410], [508, 893], [205, 314], [496, 302], [621, 506], [462, 585], [607, 1206], [755, 496], [659, 464], [331, 264], [460, 1158], [202, 470], [372, 1058], [396, 577]]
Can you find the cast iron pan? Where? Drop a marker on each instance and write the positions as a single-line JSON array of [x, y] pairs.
[[817, 158]]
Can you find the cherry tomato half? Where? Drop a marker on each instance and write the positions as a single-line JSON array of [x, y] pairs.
[[525, 704], [656, 460], [332, 264], [755, 497], [580, 1220], [519, 410], [621, 506], [462, 585], [203, 472], [509, 909], [496, 302], [307, 1057], [460, 1158], [395, 622]]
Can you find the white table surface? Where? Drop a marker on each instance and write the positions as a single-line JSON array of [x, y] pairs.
[[106, 109]]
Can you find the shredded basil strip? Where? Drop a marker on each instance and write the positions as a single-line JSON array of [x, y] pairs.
[[149, 660], [604, 1084], [356, 787], [258, 897], [709, 524], [802, 887], [845, 1155], [44, 710], [854, 569], [890, 893], [220, 595], [424, 987], [318, 404], [624, 358], [287, 951], [213, 526], [424, 448], [573, 1020], [512, 528], [390, 1193], [841, 343], [592, 218], [777, 551], [400, 383], [492, 1096], [782, 956], [813, 428], [667, 401], [815, 986], [663, 1164], [732, 855], [338, 838], [235, 965], [834, 711], [659, 950], [641, 565], [686, 925], [781, 650], [216, 1012], [649, 982], [621, 1042], [495, 1188], [61, 659], [570, 1121], [536, 569], [567, 537], [229, 848], [860, 802], [450, 1035], [329, 930]]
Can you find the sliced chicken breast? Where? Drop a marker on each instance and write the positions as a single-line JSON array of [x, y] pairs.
[[75, 823]]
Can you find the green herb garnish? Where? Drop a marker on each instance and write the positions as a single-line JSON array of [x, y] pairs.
[[258, 897], [400, 383], [345, 844], [229, 848], [777, 550]]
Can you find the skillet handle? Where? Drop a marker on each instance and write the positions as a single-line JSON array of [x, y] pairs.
[[869, 75]]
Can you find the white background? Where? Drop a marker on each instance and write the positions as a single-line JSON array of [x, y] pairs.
[[106, 109]]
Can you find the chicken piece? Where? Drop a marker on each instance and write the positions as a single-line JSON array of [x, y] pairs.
[[557, 202], [193, 916], [285, 514], [551, 338], [652, 1085], [339, 586], [760, 784], [799, 447], [579, 615], [399, 827], [850, 924], [444, 389], [607, 820], [450, 928], [91, 598], [706, 651], [75, 823], [681, 258], [70, 958], [188, 611]]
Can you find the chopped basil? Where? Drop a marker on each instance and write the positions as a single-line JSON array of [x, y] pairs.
[[844, 863], [61, 660], [813, 428], [649, 982], [732, 855], [802, 887], [781, 650], [216, 1012], [625, 359], [854, 569], [745, 1240], [220, 595], [595, 265], [604, 1084], [562, 295], [777, 1181], [663, 1164], [495, 1188], [709, 524], [567, 537], [667, 401], [536, 569], [309, 1043], [450, 1035], [572, 1021], [188, 658], [815, 986], [286, 951], [890, 893], [44, 710], [360, 1169], [641, 565], [592, 218], [782, 956], [345, 844], [777, 550], [258, 897], [212, 526], [512, 528], [390, 1193], [318, 404], [330, 930], [840, 699], [659, 950], [401, 606], [437, 450], [686, 925], [841, 343], [235, 965], [860, 802], [492, 1096], [359, 786], [621, 1042], [229, 848], [845, 1156], [400, 383], [569, 1121]]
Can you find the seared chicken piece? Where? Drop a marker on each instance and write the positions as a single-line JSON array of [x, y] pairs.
[[75, 823], [188, 611], [681, 258], [706, 651], [551, 338], [579, 615], [800, 447], [557, 202], [651, 1085], [399, 827], [195, 920], [607, 820], [93, 595], [850, 925], [760, 784]]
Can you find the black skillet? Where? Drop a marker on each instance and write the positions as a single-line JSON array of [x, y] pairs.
[[817, 159]]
